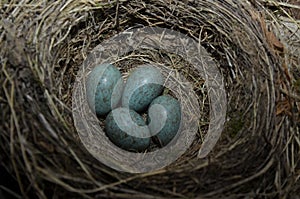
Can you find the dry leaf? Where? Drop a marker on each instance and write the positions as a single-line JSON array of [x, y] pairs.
[[272, 40]]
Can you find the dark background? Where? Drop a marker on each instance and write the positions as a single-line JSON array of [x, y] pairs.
[[8, 182]]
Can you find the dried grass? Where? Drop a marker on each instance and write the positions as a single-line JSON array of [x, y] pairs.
[[43, 44]]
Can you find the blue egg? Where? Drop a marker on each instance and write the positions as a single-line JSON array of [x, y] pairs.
[[164, 118], [127, 130], [104, 88], [143, 85]]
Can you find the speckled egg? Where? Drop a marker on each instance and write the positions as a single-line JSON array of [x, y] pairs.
[[127, 129], [164, 117], [143, 85], [101, 82]]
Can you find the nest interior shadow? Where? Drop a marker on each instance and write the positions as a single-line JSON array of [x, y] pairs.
[[43, 46]]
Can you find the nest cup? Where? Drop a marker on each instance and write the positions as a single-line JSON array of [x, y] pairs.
[[47, 45]]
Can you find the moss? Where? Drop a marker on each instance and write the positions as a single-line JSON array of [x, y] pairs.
[[234, 125]]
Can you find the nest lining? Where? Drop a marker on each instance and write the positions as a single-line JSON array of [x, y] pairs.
[[47, 45]]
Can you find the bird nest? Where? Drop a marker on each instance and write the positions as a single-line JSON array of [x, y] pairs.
[[44, 46]]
